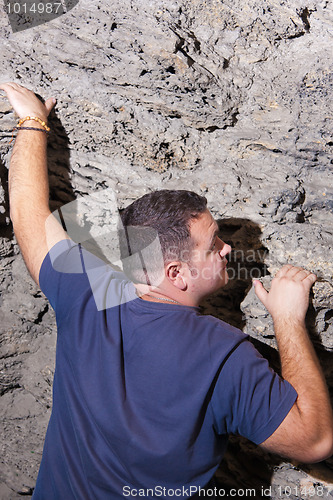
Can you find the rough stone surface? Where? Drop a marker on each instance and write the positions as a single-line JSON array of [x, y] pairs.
[[230, 99]]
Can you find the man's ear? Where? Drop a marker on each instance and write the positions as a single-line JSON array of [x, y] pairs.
[[174, 273]]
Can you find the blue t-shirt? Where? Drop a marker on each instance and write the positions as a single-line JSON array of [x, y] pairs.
[[144, 394]]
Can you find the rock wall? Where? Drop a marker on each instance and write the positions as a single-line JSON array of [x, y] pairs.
[[230, 99]]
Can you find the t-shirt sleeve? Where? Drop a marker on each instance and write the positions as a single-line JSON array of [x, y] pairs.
[[69, 272], [249, 398], [62, 274]]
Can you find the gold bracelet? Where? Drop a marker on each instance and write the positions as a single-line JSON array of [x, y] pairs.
[[36, 119]]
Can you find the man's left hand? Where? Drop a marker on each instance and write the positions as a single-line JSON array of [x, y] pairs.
[[25, 102]]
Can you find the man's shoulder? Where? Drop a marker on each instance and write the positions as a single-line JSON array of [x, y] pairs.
[[209, 334], [220, 326], [69, 271]]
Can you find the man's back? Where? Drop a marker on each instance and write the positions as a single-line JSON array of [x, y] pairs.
[[144, 393]]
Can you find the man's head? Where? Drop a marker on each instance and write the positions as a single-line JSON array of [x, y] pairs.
[[166, 214], [189, 255]]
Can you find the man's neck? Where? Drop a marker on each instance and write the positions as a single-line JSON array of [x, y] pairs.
[[159, 295]]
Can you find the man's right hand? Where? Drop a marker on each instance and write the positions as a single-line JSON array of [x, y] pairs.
[[288, 298], [306, 433]]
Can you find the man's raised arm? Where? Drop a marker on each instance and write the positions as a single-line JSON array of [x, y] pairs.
[[28, 180], [306, 434]]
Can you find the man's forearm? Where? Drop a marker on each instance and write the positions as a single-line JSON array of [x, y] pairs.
[[306, 433], [28, 179], [28, 183], [300, 366]]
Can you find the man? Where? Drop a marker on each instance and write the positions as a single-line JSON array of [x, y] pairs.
[[147, 391]]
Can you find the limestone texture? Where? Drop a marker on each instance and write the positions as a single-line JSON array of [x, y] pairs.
[[232, 99]]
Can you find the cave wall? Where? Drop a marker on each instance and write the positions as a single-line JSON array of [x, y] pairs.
[[230, 99]]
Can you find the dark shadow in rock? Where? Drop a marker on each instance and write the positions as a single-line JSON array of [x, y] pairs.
[[246, 468], [61, 190], [6, 229], [246, 262], [58, 158]]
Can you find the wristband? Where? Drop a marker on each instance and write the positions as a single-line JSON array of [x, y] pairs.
[[33, 128], [36, 119]]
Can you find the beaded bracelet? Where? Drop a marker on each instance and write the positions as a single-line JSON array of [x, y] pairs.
[[36, 119]]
